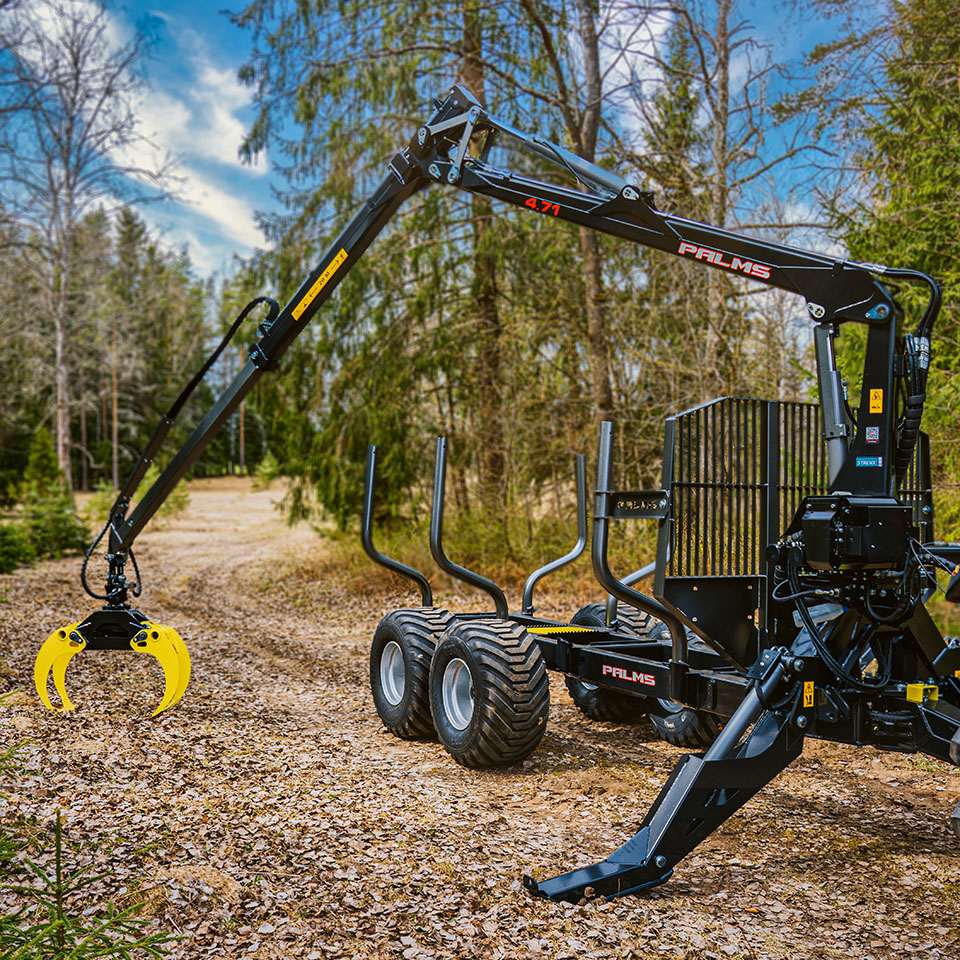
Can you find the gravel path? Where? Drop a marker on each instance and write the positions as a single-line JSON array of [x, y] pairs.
[[270, 815]]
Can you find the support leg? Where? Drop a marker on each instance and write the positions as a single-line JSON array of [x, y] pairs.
[[701, 793]]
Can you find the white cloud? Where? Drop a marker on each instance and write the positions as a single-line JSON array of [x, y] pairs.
[[189, 115], [205, 125], [233, 214]]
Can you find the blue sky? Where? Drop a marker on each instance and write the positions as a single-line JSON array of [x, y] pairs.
[[195, 112]]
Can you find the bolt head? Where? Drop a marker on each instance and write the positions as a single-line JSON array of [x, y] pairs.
[[802, 721], [661, 862], [798, 665]]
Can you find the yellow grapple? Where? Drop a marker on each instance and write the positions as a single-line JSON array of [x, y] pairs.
[[112, 629]]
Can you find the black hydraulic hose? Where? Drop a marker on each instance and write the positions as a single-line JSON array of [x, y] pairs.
[[136, 591], [818, 641], [118, 510], [917, 355], [83, 567], [163, 428], [212, 359]]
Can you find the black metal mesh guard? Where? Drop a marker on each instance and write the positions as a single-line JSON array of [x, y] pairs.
[[738, 469]]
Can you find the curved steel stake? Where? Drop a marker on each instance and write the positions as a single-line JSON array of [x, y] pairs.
[[436, 536], [537, 575], [366, 522]]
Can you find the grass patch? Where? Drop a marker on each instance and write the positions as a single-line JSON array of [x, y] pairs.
[[506, 551]]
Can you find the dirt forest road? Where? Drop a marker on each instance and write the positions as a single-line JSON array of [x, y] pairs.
[[270, 815]]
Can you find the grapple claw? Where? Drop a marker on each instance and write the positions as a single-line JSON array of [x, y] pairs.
[[113, 629], [54, 655], [166, 645]]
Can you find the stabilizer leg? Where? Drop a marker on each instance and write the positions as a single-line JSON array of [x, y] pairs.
[[701, 793]]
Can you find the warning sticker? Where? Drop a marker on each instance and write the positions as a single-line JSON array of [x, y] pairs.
[[876, 401], [808, 693], [332, 267]]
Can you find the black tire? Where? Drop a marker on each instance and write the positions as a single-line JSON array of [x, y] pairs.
[[500, 713], [676, 724], [683, 726], [602, 703], [404, 706], [630, 619]]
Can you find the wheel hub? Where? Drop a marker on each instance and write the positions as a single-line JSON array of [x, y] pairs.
[[457, 693], [393, 673]]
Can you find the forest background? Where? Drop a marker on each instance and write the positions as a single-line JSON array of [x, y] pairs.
[[512, 335]]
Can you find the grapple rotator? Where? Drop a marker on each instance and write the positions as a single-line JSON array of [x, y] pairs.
[[117, 626]]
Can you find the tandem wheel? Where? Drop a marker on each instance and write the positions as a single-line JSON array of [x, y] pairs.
[[676, 724], [489, 692], [400, 658]]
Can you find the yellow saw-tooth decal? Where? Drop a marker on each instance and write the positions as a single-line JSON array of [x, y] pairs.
[[57, 651], [331, 268]]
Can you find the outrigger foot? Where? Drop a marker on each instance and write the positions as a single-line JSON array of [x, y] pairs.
[[701, 793]]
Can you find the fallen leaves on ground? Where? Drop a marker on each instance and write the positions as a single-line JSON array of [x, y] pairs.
[[270, 815]]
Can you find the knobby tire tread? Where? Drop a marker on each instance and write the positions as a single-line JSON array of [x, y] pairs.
[[422, 627]]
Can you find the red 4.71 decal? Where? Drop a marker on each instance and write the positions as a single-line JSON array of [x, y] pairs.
[[543, 206]]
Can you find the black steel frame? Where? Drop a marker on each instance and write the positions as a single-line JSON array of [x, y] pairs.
[[765, 702]]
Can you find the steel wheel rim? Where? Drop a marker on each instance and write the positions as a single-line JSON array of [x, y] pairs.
[[393, 673], [456, 688]]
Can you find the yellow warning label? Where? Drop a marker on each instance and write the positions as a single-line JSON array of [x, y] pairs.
[[332, 267], [956, 673], [876, 401], [807, 693]]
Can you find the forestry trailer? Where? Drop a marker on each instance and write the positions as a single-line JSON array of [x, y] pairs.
[[795, 547]]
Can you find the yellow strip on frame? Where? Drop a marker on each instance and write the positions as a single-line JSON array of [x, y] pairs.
[[332, 267], [876, 401]]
